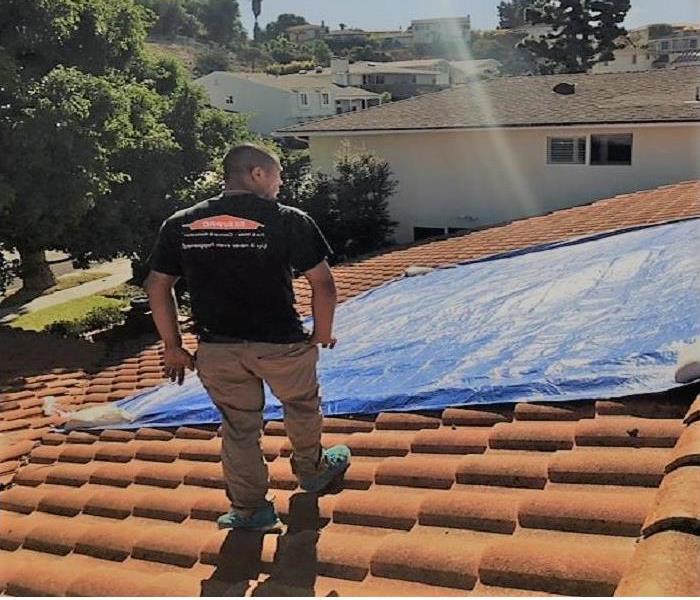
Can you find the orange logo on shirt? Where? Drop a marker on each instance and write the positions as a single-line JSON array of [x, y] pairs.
[[224, 222]]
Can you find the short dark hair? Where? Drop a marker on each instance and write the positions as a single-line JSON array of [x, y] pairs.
[[243, 158]]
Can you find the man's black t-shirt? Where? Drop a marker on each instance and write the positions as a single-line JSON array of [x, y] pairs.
[[237, 254]]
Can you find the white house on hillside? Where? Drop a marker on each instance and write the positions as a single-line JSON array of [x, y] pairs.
[[280, 101], [655, 47], [514, 147]]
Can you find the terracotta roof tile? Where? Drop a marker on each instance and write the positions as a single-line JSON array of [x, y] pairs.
[[377, 508], [693, 412], [205, 474], [628, 431], [437, 559], [418, 471], [345, 555], [483, 417], [666, 564], [470, 510], [133, 514], [512, 470], [451, 440], [168, 544], [616, 466], [677, 504], [388, 443], [115, 474], [405, 421], [561, 411], [585, 512], [532, 436], [545, 565], [687, 450]]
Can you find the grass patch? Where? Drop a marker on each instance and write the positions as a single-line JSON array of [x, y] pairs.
[[69, 281], [68, 311]]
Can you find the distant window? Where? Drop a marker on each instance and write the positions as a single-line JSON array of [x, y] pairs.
[[566, 151], [648, 56], [634, 59], [380, 79], [664, 45], [693, 43], [229, 100], [304, 99], [422, 233], [325, 99], [611, 149]]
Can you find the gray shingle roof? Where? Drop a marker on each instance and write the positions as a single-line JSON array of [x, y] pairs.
[[663, 95]]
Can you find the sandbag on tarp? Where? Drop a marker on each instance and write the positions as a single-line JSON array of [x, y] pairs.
[[596, 318]]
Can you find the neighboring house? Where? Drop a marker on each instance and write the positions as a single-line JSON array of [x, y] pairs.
[[654, 47], [398, 39], [280, 101], [449, 30], [400, 79], [300, 34], [347, 35], [464, 71], [513, 147]]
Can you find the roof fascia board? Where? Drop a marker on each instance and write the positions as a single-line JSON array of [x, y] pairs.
[[358, 132]]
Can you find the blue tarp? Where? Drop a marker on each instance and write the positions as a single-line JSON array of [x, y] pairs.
[[600, 317]]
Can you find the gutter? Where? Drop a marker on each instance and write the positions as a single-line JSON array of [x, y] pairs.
[[609, 125]]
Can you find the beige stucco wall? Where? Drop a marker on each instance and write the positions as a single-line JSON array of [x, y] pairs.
[[474, 178]]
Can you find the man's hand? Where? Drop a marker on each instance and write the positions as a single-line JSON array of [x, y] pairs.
[[326, 341], [177, 359]]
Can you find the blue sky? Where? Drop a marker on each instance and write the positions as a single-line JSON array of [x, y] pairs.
[[390, 14]]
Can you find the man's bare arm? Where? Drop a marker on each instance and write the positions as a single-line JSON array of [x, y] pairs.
[[323, 302], [161, 298]]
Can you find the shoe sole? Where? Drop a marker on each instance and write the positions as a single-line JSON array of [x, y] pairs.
[[277, 527]]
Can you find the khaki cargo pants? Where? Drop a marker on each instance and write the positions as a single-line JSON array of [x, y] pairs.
[[233, 375]]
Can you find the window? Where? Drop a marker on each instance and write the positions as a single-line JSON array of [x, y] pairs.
[[664, 45], [325, 99], [303, 99], [566, 151], [380, 79], [693, 43], [229, 100], [613, 149], [634, 59]]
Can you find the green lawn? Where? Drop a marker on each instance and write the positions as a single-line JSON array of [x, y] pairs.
[[69, 281], [68, 311]]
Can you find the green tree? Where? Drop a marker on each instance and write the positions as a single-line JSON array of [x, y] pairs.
[[284, 51], [350, 206], [583, 33], [279, 26], [320, 51], [503, 47], [98, 141], [511, 13], [222, 22], [254, 56], [212, 59]]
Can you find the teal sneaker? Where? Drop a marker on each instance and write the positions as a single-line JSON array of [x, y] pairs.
[[264, 519], [336, 460]]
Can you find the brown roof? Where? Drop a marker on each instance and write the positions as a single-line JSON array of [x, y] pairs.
[[662, 95], [531, 498]]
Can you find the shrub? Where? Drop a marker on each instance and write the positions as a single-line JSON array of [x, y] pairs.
[[97, 318]]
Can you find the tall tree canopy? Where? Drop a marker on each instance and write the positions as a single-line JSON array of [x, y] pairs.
[[98, 141], [582, 33], [511, 13]]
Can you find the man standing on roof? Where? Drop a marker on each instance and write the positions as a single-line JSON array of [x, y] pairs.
[[237, 253]]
